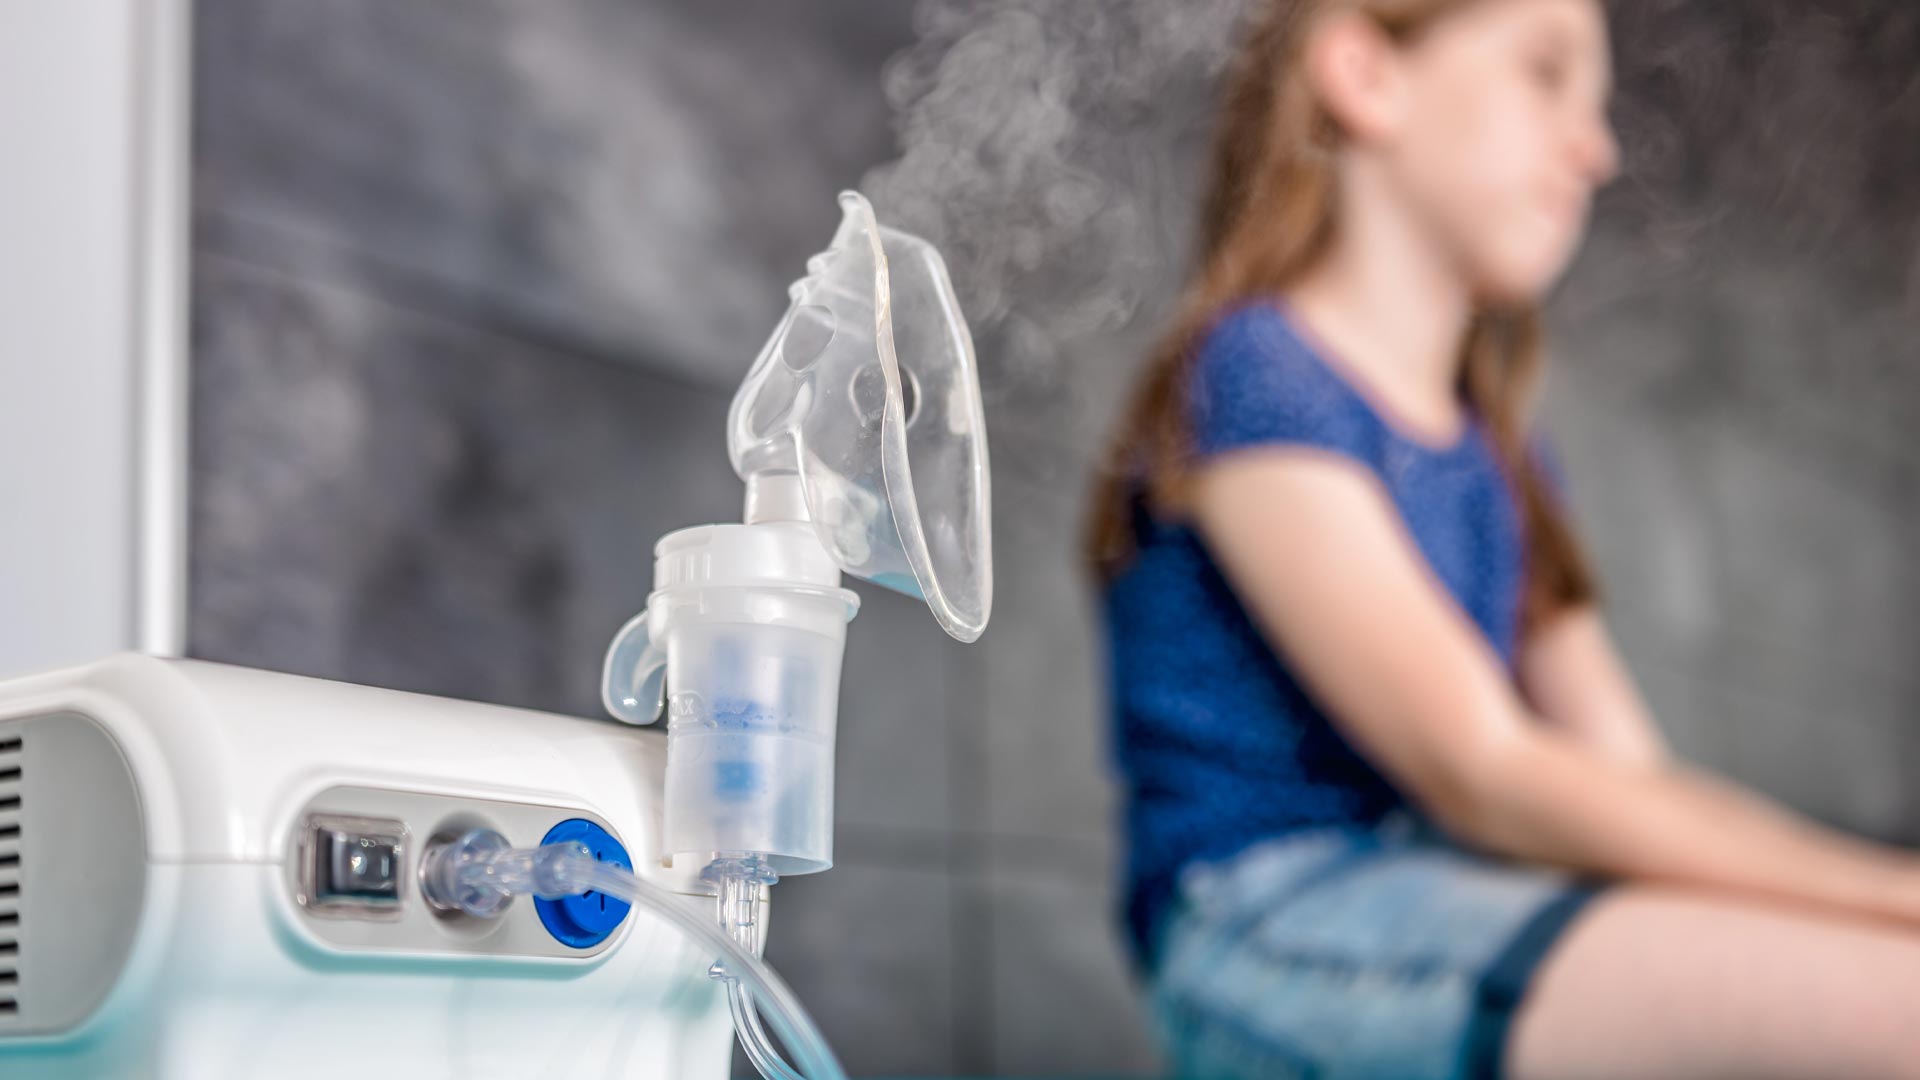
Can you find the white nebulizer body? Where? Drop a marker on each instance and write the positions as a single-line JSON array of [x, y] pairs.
[[211, 873]]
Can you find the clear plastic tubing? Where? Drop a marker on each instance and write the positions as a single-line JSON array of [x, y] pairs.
[[478, 872], [738, 878]]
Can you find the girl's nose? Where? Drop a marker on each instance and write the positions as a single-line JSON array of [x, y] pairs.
[[1600, 152]]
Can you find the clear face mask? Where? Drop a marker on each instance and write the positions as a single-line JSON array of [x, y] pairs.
[[868, 382]]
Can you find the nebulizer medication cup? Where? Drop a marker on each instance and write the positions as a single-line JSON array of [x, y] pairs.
[[859, 435], [747, 624]]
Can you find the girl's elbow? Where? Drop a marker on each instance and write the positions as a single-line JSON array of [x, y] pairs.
[[1468, 794], [1459, 798]]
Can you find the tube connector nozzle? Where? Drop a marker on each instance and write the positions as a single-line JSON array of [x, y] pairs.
[[739, 879], [479, 873]]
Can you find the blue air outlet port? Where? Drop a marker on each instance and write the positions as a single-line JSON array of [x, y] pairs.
[[585, 920]]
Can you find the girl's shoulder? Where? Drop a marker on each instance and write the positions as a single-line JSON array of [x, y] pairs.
[[1262, 376], [1257, 380]]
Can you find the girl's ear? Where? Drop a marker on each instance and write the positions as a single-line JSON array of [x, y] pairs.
[[1356, 73]]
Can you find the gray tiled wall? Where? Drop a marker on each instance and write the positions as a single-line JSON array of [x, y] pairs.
[[471, 293], [1736, 389]]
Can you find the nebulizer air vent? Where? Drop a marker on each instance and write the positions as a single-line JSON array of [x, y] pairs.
[[859, 435]]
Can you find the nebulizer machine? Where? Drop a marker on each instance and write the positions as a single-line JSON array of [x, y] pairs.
[[209, 871]]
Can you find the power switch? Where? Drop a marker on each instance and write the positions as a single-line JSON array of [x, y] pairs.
[[353, 866]]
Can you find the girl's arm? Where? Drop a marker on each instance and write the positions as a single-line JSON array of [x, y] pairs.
[[1571, 674], [1315, 550]]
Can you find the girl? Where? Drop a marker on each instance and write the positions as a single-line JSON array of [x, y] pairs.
[[1395, 807]]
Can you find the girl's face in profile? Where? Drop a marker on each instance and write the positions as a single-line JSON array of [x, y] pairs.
[[1505, 137]]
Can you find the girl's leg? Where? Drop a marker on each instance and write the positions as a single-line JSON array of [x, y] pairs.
[[1671, 983]]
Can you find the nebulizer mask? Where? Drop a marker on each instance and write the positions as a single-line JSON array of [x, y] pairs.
[[859, 435]]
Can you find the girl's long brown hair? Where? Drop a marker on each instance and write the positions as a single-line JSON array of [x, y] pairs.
[[1267, 217]]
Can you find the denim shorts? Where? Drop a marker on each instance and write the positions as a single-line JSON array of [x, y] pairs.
[[1353, 953]]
